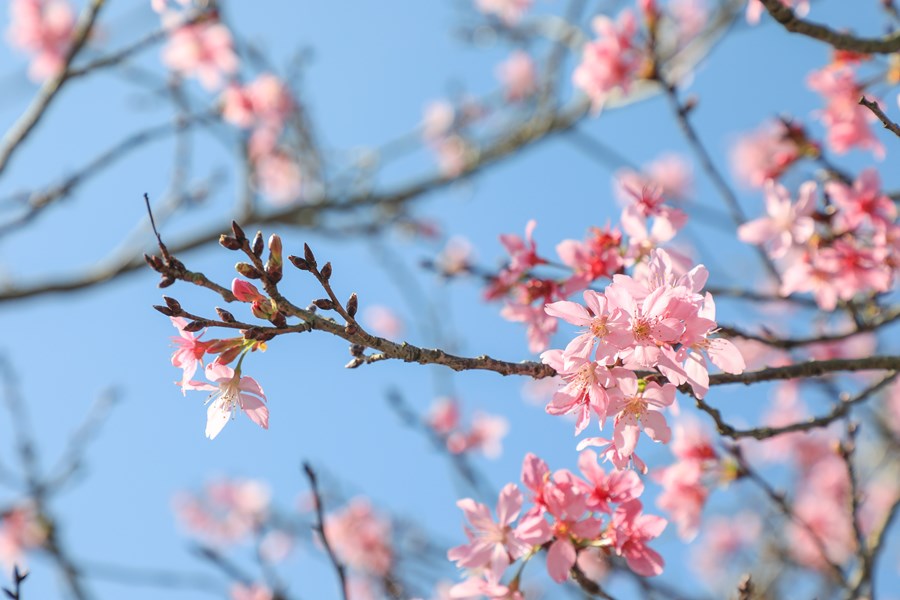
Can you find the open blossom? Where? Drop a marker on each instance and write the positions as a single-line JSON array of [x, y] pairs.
[[767, 152], [189, 355], [861, 203], [42, 28], [518, 76], [787, 224], [361, 538], [201, 50], [227, 511], [670, 173], [264, 102], [638, 409], [631, 531], [232, 392], [845, 118], [609, 62], [492, 544], [584, 391]]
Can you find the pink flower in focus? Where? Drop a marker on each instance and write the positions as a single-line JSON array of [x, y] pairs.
[[361, 538], [787, 224], [604, 325], [42, 28], [631, 532], [584, 391], [201, 50], [638, 409], [609, 62], [616, 487], [508, 11], [233, 392], [492, 545], [518, 76], [189, 354]]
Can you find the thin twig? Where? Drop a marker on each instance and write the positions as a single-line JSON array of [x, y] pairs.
[[319, 527], [885, 120]]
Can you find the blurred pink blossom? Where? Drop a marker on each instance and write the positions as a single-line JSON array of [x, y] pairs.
[[43, 29], [20, 531], [361, 537], [383, 321], [518, 75], [201, 50]]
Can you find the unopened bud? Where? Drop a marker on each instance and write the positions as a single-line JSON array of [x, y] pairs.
[[165, 282], [229, 354], [352, 305], [274, 272], [258, 244], [225, 315], [275, 249], [357, 349], [326, 271], [226, 241], [309, 256], [164, 310], [324, 303], [247, 270], [154, 262], [195, 326], [239, 234], [262, 309], [173, 304], [299, 262]]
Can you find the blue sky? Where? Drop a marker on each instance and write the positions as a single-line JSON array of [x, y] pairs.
[[374, 68]]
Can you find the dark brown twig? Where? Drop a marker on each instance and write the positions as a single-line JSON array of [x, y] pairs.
[[885, 120], [319, 527]]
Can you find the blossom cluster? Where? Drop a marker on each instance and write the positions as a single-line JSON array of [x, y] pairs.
[[43, 29], [204, 49], [21, 530], [484, 434], [837, 252], [568, 515]]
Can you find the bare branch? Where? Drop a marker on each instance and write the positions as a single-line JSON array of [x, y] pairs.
[[885, 121]]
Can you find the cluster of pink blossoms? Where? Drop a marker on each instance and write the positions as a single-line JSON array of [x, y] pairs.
[[568, 516], [227, 511], [610, 62], [770, 151], [657, 322], [484, 434], [43, 29], [361, 538], [205, 50], [837, 253]]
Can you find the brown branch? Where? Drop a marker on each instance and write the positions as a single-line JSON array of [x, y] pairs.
[[885, 121], [38, 108], [319, 527], [761, 433], [841, 41], [812, 368]]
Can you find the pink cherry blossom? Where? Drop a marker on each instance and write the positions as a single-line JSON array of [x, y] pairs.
[[598, 256], [518, 76], [616, 487], [227, 511], [765, 153], [723, 539], [846, 120], [265, 102], [189, 355], [638, 409], [245, 291], [690, 16], [278, 176], [683, 495], [609, 62], [438, 120], [862, 203], [361, 537], [508, 11], [201, 50], [233, 392], [670, 173], [383, 321], [42, 28], [610, 453], [584, 391], [631, 531], [21, 530], [604, 325], [787, 224], [492, 544]]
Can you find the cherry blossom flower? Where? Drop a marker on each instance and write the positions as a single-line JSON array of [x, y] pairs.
[[493, 545], [604, 325], [21, 530], [584, 391], [787, 224], [189, 355], [278, 175], [846, 120], [609, 62], [631, 531], [233, 392], [42, 28], [383, 321], [638, 409], [616, 487], [361, 537], [670, 174], [265, 102], [227, 511], [863, 202], [201, 50], [518, 76], [766, 153]]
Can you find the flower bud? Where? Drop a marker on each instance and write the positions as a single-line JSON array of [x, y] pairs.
[[247, 270], [245, 291], [164, 310], [173, 304], [195, 326], [326, 271], [225, 315], [324, 303], [258, 244], [299, 262], [238, 233], [352, 305], [309, 256], [228, 242]]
